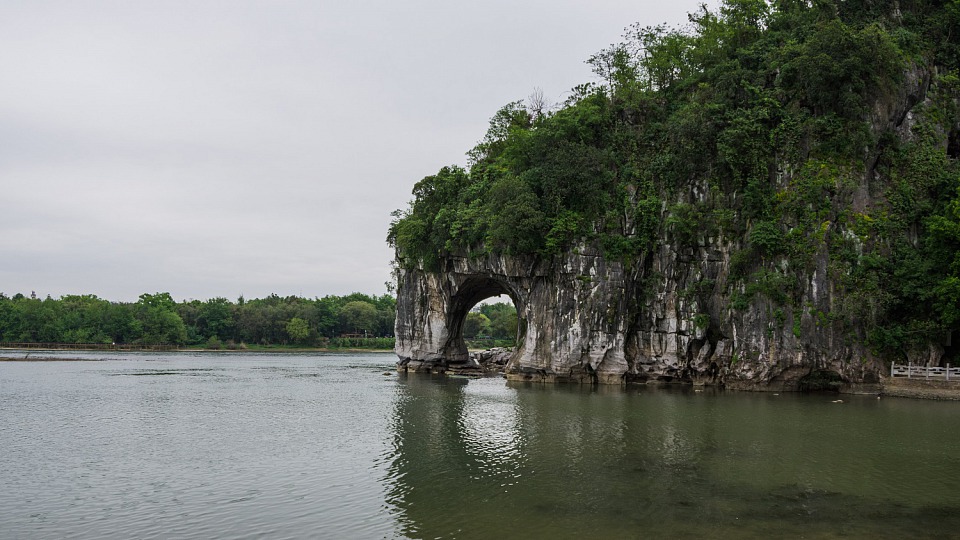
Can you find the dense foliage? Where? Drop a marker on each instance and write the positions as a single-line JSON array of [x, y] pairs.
[[761, 123], [156, 319], [492, 322]]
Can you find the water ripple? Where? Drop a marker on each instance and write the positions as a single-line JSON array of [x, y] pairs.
[[326, 446]]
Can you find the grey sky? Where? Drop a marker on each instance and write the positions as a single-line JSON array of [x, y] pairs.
[[237, 147]]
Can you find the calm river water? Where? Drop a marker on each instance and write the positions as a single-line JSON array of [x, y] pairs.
[[340, 446]]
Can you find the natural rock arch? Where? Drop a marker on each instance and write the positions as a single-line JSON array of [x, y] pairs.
[[429, 325], [471, 292], [561, 338]]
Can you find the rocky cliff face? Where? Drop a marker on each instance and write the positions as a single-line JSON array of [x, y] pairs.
[[585, 319], [673, 315], [573, 312]]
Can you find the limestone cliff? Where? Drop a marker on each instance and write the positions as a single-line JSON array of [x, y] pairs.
[[669, 316], [585, 319], [768, 199]]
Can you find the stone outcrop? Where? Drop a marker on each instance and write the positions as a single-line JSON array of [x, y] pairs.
[[492, 360], [586, 319], [573, 315], [668, 317]]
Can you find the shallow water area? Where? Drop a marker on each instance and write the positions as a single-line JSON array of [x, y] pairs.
[[233, 445]]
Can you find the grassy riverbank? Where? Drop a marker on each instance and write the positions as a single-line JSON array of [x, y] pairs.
[[37, 353], [39, 356], [325, 345]]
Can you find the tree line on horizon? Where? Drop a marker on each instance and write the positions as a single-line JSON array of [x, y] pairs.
[[497, 321], [158, 320], [353, 320]]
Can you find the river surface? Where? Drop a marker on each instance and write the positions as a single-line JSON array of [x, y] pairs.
[[250, 445]]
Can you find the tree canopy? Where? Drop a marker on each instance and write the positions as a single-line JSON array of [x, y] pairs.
[[157, 319]]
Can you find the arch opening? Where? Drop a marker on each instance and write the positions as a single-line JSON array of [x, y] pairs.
[[491, 323], [505, 321]]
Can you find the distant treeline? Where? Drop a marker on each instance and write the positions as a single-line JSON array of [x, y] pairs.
[[354, 320], [491, 321]]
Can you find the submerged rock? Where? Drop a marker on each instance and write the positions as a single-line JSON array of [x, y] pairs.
[[492, 360]]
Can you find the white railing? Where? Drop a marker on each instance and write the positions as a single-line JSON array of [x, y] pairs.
[[911, 371]]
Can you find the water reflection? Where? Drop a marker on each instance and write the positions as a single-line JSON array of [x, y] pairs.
[[214, 447], [482, 458], [489, 426]]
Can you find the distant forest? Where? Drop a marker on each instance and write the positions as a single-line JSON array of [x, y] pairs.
[[355, 320]]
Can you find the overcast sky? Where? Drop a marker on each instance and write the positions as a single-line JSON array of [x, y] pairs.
[[220, 148]]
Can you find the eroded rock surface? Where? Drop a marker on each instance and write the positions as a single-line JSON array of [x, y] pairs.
[[492, 360], [586, 319]]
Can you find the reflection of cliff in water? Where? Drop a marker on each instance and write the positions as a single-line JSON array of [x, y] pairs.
[[456, 450], [483, 458]]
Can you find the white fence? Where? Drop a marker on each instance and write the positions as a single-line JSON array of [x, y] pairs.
[[911, 371]]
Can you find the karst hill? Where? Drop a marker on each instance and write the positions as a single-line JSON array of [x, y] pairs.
[[764, 195]]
